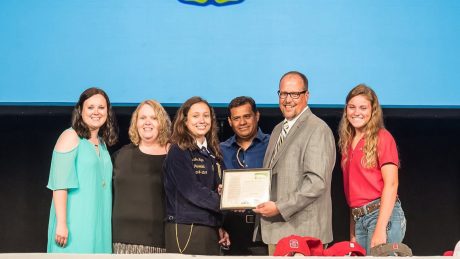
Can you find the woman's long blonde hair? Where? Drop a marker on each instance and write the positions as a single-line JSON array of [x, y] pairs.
[[347, 131]]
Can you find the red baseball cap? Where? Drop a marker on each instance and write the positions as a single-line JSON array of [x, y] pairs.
[[290, 245], [345, 248], [315, 245]]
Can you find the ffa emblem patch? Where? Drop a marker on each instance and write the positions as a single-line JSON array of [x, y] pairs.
[[213, 2]]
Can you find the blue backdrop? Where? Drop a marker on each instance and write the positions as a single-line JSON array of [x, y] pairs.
[[408, 51]]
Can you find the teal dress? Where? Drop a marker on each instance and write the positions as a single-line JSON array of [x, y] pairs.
[[87, 177]]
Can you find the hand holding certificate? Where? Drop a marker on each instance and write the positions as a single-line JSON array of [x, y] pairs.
[[245, 188]]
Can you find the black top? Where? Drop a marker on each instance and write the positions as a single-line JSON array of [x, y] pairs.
[[138, 197]]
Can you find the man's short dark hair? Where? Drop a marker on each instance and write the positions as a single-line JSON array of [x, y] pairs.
[[302, 76], [242, 100]]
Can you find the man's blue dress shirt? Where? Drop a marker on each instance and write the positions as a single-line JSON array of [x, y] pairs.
[[253, 157]]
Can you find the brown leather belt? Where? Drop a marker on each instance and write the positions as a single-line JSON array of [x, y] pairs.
[[366, 209]]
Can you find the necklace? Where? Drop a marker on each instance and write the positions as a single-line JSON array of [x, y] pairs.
[[98, 153]]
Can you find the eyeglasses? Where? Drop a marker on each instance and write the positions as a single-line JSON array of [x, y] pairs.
[[294, 95]]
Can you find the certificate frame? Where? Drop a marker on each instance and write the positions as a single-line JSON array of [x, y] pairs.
[[245, 188]]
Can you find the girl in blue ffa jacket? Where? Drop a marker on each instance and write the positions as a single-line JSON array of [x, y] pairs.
[[192, 178]]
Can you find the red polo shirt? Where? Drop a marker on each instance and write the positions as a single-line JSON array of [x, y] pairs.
[[363, 185]]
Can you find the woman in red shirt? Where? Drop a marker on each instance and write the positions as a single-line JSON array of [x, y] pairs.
[[370, 171]]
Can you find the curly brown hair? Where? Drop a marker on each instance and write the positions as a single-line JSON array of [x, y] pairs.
[[347, 131], [184, 138], [108, 131], [164, 129]]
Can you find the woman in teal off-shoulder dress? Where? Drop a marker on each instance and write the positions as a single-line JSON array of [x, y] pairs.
[[80, 178]]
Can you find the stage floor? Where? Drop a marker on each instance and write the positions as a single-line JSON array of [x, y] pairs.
[[161, 256]]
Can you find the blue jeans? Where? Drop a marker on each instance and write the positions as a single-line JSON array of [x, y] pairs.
[[396, 228]]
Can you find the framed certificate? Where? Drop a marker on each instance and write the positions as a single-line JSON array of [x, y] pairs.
[[245, 188]]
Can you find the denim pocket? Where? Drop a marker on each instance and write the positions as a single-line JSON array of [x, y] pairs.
[[396, 227]]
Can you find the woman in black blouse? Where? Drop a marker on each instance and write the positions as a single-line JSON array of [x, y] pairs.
[[138, 209], [192, 178]]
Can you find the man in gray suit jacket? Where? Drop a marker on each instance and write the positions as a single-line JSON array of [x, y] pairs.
[[301, 154]]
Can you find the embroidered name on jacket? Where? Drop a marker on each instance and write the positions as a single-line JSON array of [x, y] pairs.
[[198, 166], [201, 172]]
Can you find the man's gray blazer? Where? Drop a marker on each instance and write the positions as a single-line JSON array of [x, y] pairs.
[[301, 181]]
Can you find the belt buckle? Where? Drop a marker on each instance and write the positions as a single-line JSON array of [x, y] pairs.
[[357, 213], [354, 214], [250, 219]]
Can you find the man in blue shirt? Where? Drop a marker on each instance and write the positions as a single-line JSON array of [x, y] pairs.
[[245, 149]]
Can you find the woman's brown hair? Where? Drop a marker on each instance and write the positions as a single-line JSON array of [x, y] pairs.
[[184, 138], [108, 131]]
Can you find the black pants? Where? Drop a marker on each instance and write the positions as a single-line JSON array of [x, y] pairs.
[[240, 226], [196, 240]]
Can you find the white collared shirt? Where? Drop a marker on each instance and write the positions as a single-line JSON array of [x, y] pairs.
[[292, 122], [204, 144]]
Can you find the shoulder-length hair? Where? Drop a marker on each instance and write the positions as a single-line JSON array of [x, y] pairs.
[[184, 138], [108, 131], [347, 131], [164, 123]]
